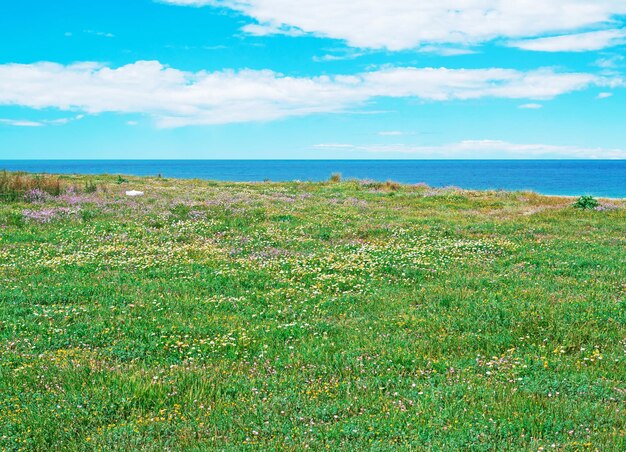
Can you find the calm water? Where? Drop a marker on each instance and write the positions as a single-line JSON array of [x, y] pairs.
[[555, 177]]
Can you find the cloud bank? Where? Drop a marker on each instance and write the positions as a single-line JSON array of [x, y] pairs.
[[581, 42], [483, 149], [401, 24], [177, 98]]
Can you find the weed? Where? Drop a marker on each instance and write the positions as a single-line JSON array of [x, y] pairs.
[[90, 187], [586, 203], [335, 177]]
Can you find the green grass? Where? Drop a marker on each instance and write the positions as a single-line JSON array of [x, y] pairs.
[[338, 315]]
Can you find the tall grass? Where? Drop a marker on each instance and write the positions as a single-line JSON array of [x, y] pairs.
[[14, 186], [335, 177]]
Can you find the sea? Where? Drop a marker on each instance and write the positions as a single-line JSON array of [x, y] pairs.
[[601, 178]]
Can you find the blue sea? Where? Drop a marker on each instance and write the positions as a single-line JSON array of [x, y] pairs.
[[605, 178]]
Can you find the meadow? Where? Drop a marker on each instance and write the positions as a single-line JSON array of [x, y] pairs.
[[343, 315]]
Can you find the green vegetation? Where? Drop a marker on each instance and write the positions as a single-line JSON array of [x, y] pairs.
[[586, 203], [90, 187], [340, 315], [14, 186]]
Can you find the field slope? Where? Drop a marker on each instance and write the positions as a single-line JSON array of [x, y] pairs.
[[347, 315]]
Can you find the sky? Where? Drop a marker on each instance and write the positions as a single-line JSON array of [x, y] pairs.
[[313, 79]]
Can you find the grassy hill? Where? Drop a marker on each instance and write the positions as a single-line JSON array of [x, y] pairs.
[[351, 315]]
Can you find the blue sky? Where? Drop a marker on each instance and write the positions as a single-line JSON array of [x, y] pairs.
[[312, 79]]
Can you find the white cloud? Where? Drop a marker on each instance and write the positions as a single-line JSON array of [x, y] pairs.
[[190, 2], [604, 95], [484, 149], [531, 106], [102, 34], [447, 51], [339, 55], [265, 30], [63, 121], [581, 42], [334, 146], [21, 123], [402, 24], [609, 62], [40, 123], [178, 98]]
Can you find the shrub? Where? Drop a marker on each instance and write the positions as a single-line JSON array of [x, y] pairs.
[[90, 187], [335, 177], [393, 186], [19, 186], [586, 203]]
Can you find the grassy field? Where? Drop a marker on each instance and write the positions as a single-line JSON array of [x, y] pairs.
[[341, 315]]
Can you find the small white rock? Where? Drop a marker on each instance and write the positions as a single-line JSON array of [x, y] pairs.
[[134, 193]]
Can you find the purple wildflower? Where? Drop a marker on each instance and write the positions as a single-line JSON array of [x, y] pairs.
[[36, 195], [47, 215]]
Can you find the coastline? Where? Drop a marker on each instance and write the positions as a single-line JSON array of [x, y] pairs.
[[329, 168]]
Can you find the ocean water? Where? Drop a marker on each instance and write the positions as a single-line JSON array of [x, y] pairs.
[[552, 177]]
